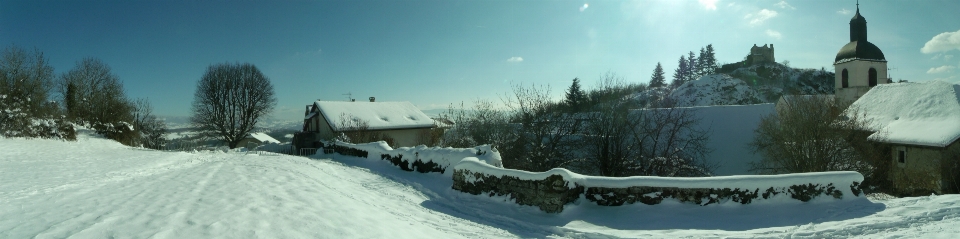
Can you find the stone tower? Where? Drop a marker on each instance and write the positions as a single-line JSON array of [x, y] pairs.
[[859, 65], [761, 54]]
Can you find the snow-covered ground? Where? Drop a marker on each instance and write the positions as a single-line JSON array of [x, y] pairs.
[[96, 188]]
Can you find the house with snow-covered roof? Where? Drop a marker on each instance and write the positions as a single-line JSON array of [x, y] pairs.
[[921, 123], [400, 124]]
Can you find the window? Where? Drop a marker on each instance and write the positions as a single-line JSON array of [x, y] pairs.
[[873, 77], [845, 82], [901, 155]]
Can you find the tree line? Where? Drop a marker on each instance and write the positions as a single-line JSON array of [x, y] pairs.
[[594, 132], [229, 101], [689, 68], [37, 103]]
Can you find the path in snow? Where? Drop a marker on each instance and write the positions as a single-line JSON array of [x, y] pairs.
[[62, 189]]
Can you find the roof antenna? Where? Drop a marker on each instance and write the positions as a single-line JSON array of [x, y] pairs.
[[349, 96]]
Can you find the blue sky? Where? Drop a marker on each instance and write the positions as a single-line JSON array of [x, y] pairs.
[[434, 53]]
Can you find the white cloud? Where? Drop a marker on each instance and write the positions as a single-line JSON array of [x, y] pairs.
[[774, 34], [758, 18], [844, 11], [939, 56], [515, 59], [942, 69], [784, 5], [942, 42], [709, 4], [584, 7]]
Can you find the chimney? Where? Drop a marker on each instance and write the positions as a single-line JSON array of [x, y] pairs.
[[373, 99]]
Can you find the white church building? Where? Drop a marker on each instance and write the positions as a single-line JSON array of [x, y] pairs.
[[919, 121]]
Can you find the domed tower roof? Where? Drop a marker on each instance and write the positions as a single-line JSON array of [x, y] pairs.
[[859, 47]]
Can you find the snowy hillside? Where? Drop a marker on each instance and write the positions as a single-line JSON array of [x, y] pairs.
[[96, 188], [755, 84], [718, 89]]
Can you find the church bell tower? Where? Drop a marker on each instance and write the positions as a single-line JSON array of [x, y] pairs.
[[859, 65]]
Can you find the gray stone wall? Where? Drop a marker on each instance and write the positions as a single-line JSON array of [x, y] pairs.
[[551, 193]]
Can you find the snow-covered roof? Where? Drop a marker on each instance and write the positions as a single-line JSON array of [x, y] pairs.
[[264, 138], [377, 115], [926, 114]]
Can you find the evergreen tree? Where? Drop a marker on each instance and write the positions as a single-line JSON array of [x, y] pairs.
[[692, 67], [576, 97], [657, 79], [711, 61], [70, 99], [680, 75], [702, 62]]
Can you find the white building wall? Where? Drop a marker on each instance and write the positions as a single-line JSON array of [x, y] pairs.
[[859, 82]]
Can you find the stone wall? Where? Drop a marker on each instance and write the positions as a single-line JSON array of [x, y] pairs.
[[552, 192]]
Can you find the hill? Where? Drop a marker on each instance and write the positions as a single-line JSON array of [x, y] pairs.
[[754, 84]]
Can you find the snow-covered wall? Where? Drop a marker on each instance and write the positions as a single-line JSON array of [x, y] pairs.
[[407, 158], [555, 187]]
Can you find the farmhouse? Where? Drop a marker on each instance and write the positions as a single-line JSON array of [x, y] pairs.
[[400, 124], [921, 121]]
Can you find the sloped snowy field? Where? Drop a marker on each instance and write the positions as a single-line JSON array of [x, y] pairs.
[[96, 188]]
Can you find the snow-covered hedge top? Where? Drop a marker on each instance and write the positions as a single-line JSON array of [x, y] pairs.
[[377, 115], [264, 138], [444, 156], [841, 180], [925, 114]]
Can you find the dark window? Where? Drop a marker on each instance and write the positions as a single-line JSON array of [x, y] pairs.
[[845, 82], [873, 77], [902, 156]]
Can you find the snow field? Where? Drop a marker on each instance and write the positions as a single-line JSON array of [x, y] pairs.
[[96, 188]]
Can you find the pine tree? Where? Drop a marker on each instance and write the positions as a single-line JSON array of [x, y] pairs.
[[702, 62], [692, 67], [680, 75], [70, 99], [711, 61], [576, 97], [657, 79]]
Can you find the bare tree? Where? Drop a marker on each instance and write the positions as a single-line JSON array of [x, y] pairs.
[[807, 134], [647, 142], [672, 143], [545, 136], [95, 98], [149, 128], [483, 124], [26, 79], [95, 94], [230, 100]]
